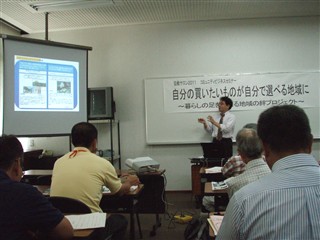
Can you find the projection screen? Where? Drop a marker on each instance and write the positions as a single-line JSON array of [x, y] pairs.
[[44, 86]]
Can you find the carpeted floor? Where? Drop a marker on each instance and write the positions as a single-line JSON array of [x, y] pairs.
[[177, 203]]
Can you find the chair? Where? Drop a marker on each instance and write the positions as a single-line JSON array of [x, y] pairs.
[[72, 206], [44, 180], [123, 204], [69, 205]]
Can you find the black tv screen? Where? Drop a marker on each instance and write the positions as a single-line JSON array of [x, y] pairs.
[[100, 103]]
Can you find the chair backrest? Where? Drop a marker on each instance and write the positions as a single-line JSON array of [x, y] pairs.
[[69, 205], [44, 180]]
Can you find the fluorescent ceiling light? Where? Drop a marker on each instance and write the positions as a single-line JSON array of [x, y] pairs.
[[54, 6]]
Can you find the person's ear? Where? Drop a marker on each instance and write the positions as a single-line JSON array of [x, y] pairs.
[[266, 150], [93, 147], [242, 156], [267, 154], [16, 166], [16, 170], [310, 144]]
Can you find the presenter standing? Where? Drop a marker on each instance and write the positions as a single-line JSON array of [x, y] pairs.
[[221, 125]]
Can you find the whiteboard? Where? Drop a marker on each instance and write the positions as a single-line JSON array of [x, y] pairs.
[[163, 127]]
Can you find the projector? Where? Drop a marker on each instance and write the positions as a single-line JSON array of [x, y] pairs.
[[142, 164]]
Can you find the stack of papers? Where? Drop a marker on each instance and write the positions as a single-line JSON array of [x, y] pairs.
[[215, 223], [218, 185], [213, 170], [107, 190], [87, 221]]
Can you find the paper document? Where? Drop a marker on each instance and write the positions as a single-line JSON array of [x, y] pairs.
[[107, 190], [218, 185], [213, 170], [86, 221], [215, 223], [134, 187]]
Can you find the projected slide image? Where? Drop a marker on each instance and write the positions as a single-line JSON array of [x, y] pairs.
[[64, 87], [46, 84]]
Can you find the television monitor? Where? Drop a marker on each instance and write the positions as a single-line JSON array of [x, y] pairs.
[[100, 103]]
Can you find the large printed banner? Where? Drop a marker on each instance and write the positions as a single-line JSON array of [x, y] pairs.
[[248, 91]]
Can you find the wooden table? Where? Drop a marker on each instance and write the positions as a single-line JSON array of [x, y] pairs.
[[111, 203], [126, 203], [32, 176], [209, 177], [83, 232], [208, 191], [37, 172], [151, 200], [221, 196], [196, 165]]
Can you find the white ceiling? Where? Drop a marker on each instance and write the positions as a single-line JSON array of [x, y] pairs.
[[128, 12]]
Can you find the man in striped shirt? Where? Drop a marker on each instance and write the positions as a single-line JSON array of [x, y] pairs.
[[284, 204]]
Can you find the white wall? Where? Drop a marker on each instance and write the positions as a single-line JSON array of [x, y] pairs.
[[123, 56], [6, 29]]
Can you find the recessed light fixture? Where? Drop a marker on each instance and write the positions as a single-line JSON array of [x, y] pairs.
[[54, 6]]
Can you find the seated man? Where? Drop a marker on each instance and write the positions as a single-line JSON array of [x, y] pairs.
[[24, 210], [235, 166], [250, 150], [81, 174], [284, 204]]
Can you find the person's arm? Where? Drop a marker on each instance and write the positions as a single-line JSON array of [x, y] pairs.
[[214, 122], [206, 125], [203, 121], [233, 167], [37, 214], [228, 123], [232, 220], [231, 183], [129, 180], [62, 231]]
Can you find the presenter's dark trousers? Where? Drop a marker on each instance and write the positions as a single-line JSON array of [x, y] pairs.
[[226, 144]]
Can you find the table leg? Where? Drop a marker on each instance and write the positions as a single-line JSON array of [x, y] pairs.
[[132, 230], [158, 224], [139, 225]]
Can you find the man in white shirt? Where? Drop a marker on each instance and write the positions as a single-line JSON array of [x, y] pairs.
[[221, 125]]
